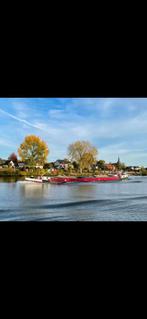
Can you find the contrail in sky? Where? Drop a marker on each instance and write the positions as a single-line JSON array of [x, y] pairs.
[[21, 120]]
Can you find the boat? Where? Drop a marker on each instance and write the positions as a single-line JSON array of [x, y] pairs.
[[124, 176], [32, 179], [82, 179], [121, 175], [39, 179]]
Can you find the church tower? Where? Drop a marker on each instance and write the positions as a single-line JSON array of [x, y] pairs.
[[118, 163]]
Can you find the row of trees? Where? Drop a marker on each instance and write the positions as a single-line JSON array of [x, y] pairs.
[[35, 151]]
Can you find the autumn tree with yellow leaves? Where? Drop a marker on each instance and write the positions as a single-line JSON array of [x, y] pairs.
[[33, 150], [83, 153]]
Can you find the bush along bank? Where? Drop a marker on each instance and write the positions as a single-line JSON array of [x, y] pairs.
[[17, 172], [143, 172], [42, 172]]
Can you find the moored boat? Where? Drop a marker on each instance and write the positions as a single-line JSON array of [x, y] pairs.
[[121, 175], [32, 179], [124, 176]]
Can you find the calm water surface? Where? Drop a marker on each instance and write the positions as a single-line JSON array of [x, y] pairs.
[[117, 201]]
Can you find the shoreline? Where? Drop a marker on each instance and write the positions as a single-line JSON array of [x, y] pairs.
[[59, 175]]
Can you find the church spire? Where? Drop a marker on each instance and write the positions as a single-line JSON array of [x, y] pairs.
[[118, 162]]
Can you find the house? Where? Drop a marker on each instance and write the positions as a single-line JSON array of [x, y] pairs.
[[11, 164], [21, 165], [48, 165], [6, 163], [63, 164], [118, 164], [136, 168], [57, 163], [133, 168], [110, 167], [53, 171]]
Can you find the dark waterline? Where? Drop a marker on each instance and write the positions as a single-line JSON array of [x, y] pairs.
[[11, 179], [117, 201]]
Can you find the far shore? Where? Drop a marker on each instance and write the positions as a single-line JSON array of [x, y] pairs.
[[34, 174]]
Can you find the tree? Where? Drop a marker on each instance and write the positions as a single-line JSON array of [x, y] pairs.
[[119, 165], [123, 166], [101, 164], [75, 165], [143, 171], [83, 153], [13, 158], [33, 151]]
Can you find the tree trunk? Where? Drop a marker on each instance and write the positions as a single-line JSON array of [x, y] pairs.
[[80, 170]]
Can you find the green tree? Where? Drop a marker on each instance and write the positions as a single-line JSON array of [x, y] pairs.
[[83, 153], [123, 166], [101, 164], [75, 165], [143, 171], [33, 151], [120, 166]]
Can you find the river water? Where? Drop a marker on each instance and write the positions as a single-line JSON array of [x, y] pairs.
[[116, 201]]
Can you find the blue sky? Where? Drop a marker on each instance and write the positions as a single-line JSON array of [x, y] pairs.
[[116, 126]]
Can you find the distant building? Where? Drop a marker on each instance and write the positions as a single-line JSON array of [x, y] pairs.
[[63, 164], [137, 168], [53, 170], [117, 164], [48, 165], [21, 164], [11, 164], [133, 168], [110, 167], [6, 163]]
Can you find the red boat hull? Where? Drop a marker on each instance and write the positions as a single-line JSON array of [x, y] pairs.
[[61, 180]]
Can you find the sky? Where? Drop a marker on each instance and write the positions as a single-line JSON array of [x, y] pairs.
[[115, 126]]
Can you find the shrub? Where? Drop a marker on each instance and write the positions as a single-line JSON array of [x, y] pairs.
[[23, 173], [143, 172]]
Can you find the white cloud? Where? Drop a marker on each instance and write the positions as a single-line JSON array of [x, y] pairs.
[[56, 113]]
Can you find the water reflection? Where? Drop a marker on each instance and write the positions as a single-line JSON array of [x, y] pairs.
[[79, 191], [8, 179], [30, 190]]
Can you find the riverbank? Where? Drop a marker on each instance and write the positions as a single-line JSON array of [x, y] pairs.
[[42, 172], [17, 173]]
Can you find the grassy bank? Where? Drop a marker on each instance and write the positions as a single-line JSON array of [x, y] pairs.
[[10, 172], [18, 173], [40, 172]]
